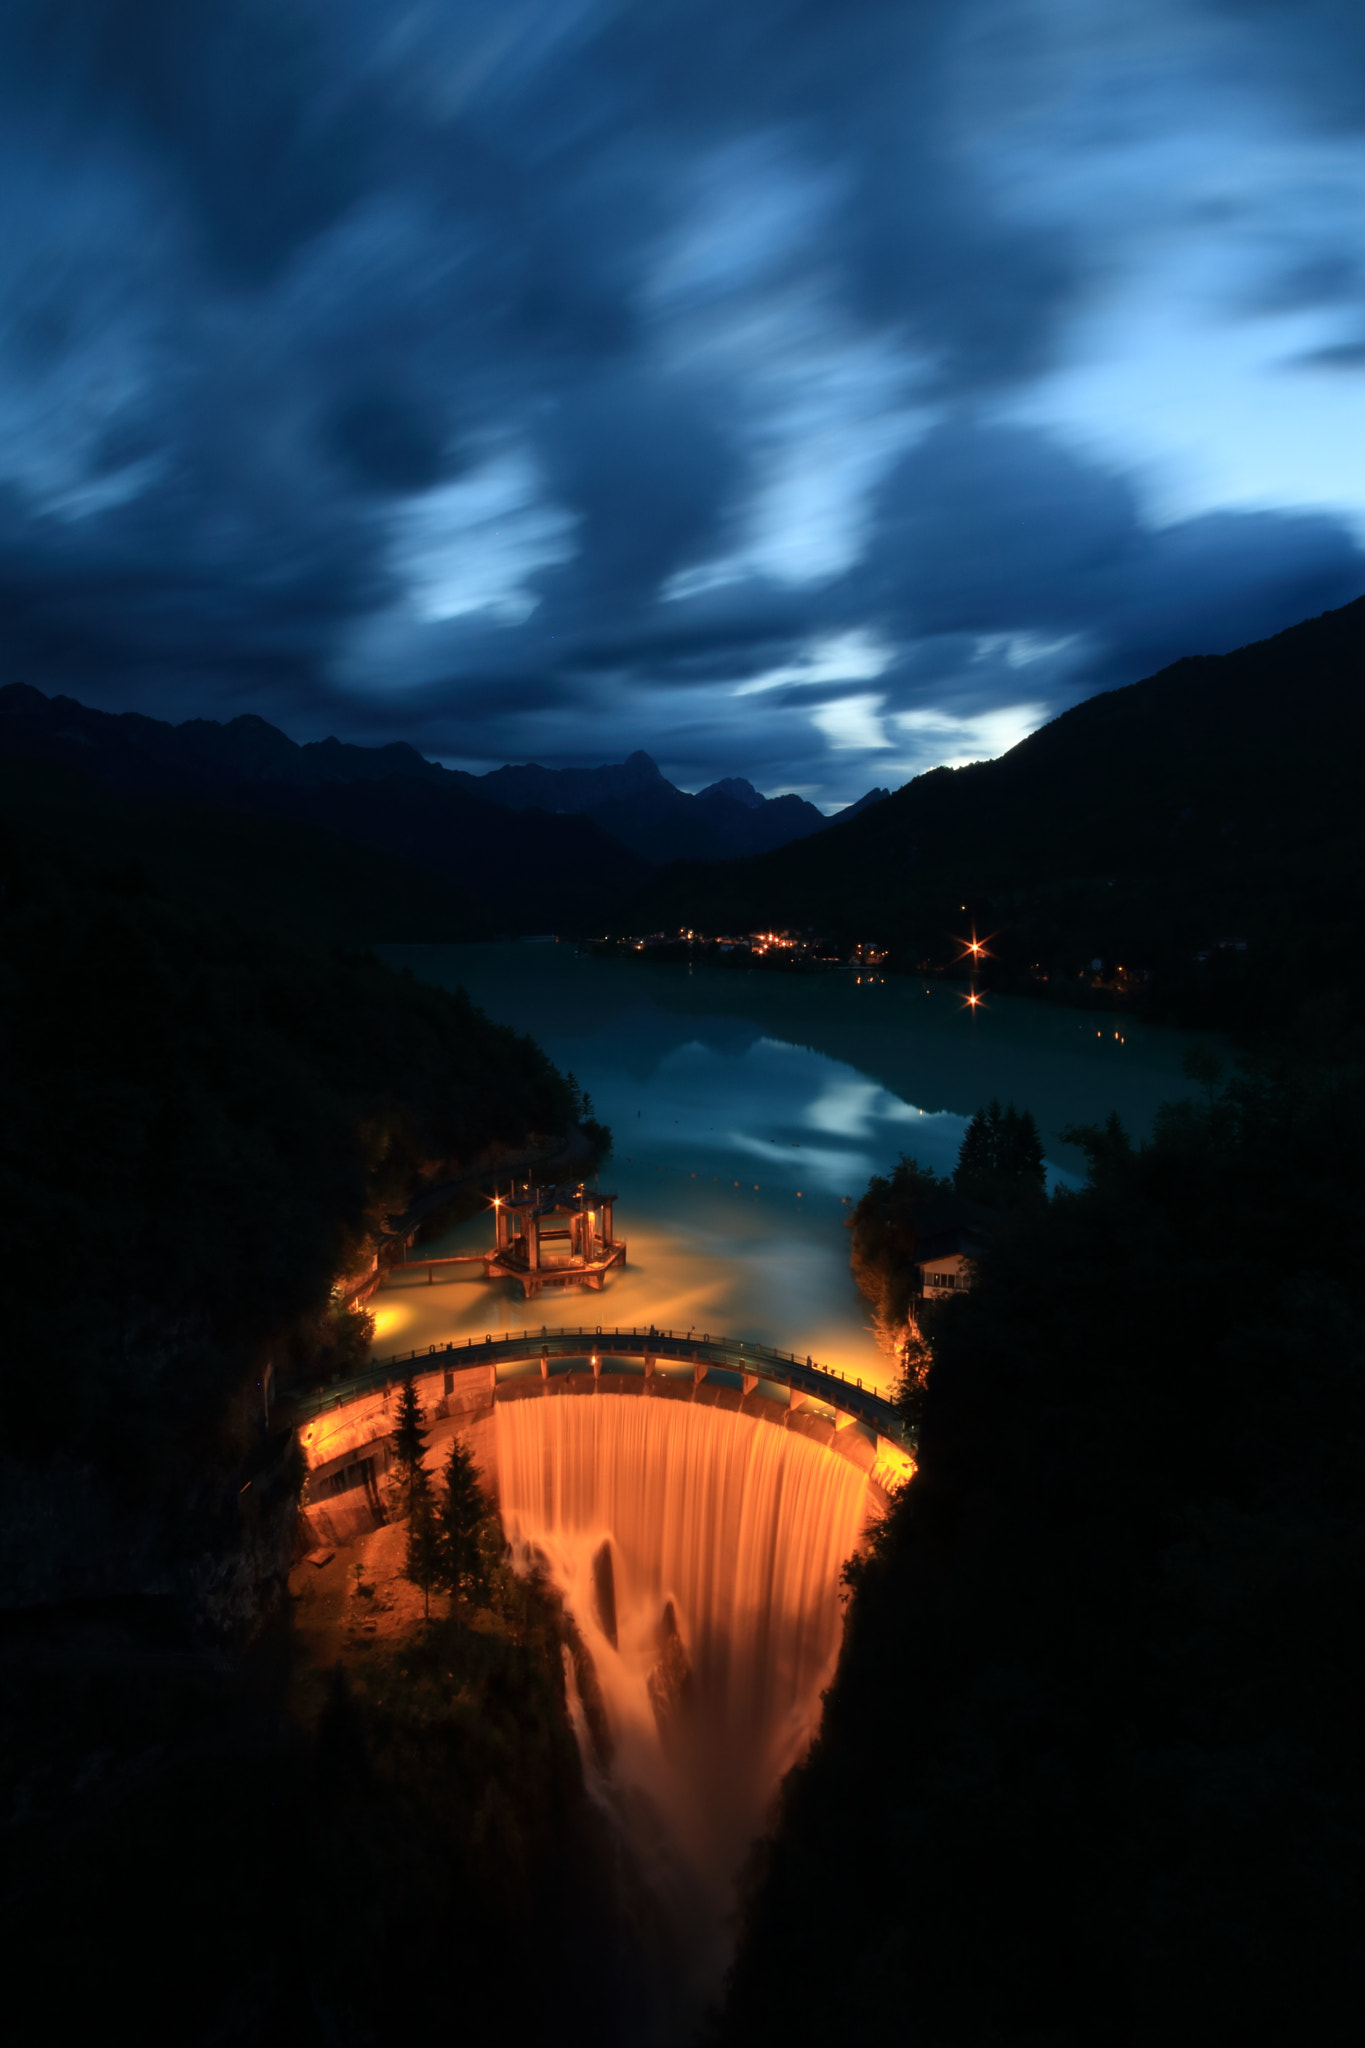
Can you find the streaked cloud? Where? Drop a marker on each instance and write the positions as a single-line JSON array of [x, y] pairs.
[[938, 738], [473, 545], [852, 723], [801, 391], [846, 657]]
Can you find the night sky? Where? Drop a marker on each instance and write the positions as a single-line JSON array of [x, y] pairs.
[[812, 390]]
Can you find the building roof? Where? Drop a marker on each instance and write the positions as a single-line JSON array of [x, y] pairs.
[[955, 1226], [554, 1199], [964, 1242]]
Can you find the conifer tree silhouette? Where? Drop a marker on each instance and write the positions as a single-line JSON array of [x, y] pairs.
[[460, 1512], [410, 1483]]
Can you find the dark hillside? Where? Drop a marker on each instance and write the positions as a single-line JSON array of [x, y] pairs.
[[202, 1127], [583, 838], [1218, 800], [281, 875], [531, 873], [1090, 1771], [638, 806]]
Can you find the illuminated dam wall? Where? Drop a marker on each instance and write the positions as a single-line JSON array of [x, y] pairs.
[[699, 1553], [695, 1521]]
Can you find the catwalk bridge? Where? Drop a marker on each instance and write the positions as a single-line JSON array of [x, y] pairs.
[[721, 1361]]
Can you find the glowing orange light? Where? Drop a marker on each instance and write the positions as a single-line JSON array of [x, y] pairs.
[[975, 948]]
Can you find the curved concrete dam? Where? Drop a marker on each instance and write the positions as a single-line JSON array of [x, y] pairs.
[[695, 1512]]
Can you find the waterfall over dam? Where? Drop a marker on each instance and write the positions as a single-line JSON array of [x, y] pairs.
[[692, 1499], [699, 1553]]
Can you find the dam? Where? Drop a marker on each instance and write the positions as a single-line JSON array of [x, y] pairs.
[[693, 1499], [343, 1429], [694, 1495]]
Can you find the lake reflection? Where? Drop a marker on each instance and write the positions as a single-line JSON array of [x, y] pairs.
[[749, 1111]]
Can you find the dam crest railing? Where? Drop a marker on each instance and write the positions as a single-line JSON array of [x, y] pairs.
[[686, 1347]]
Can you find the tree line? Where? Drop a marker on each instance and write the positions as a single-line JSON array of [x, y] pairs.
[[1000, 1167], [1104, 1649], [448, 1535], [202, 1125]]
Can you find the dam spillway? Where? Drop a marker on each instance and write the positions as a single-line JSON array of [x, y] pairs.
[[699, 1554], [693, 1500]]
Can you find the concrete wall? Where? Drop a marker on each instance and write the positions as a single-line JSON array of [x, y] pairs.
[[347, 1439]]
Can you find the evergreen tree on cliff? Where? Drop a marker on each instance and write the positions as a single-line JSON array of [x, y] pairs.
[[422, 1560], [410, 1491], [976, 1157], [1114, 1818], [410, 1483], [884, 1236], [460, 1512], [1001, 1159]]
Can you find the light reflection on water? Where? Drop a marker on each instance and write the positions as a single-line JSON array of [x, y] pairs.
[[749, 1111]]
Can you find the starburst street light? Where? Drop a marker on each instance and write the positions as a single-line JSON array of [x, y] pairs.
[[973, 1001], [975, 948]]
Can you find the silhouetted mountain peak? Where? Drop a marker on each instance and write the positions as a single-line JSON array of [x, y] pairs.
[[527, 785], [249, 762], [334, 760], [1219, 795], [864, 803], [738, 788]]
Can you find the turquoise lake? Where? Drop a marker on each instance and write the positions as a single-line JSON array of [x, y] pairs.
[[749, 1110]]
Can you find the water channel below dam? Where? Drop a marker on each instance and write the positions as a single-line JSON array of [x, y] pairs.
[[698, 1549]]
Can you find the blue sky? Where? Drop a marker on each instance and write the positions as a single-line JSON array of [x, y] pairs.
[[809, 391]]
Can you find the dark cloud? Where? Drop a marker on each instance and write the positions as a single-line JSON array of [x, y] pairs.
[[242, 109], [650, 465], [1342, 355], [385, 442], [455, 372], [996, 528], [985, 530]]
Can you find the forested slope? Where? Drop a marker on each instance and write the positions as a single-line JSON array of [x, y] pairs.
[[1218, 800], [280, 874], [1091, 1771], [252, 789], [201, 1126]]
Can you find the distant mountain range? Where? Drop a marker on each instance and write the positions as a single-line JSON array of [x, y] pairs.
[[584, 838], [647, 813], [1204, 827], [1202, 831]]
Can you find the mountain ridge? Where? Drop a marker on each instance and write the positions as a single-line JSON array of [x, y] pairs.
[[1212, 807], [248, 762]]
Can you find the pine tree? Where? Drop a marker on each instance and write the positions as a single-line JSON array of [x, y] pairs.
[[1032, 1164], [460, 1513], [1107, 1147], [885, 1231], [410, 1485], [422, 1561], [1001, 1160], [1020, 1168], [978, 1159]]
